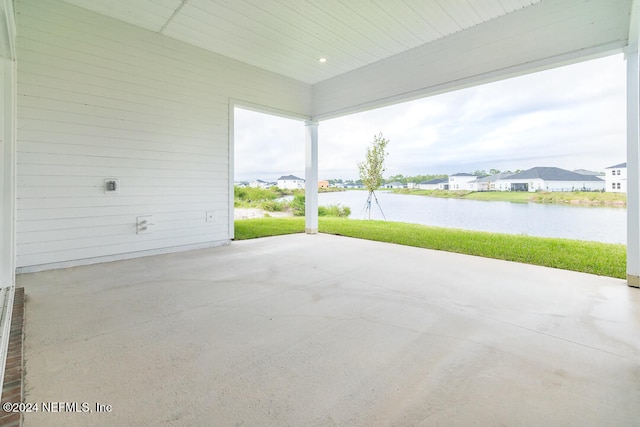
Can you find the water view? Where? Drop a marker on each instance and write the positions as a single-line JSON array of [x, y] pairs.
[[545, 220]]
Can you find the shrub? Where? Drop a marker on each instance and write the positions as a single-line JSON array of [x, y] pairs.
[[273, 206], [335, 211], [297, 205]]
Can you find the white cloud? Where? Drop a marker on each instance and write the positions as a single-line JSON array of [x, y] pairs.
[[570, 117]]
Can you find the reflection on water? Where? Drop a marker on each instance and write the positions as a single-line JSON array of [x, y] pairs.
[[534, 219]]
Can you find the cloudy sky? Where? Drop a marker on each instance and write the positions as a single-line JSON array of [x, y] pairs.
[[572, 117]]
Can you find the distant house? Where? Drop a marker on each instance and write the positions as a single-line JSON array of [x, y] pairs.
[[394, 184], [323, 183], [552, 179], [435, 184], [588, 172], [493, 182], [241, 184], [290, 182], [353, 185], [462, 181], [616, 178], [258, 183]]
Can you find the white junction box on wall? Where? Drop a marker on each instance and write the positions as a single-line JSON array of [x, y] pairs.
[[145, 224], [111, 186]]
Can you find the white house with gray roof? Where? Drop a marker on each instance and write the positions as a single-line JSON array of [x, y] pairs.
[[616, 178], [494, 182], [435, 184], [552, 179], [462, 181], [290, 182]]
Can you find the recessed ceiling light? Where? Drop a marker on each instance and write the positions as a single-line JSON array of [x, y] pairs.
[[322, 60]]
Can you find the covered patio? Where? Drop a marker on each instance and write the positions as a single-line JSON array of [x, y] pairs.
[[116, 191], [320, 330]]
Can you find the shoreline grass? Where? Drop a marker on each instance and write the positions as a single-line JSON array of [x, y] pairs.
[[597, 258], [577, 198]]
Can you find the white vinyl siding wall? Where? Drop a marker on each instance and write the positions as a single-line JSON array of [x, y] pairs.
[[99, 99]]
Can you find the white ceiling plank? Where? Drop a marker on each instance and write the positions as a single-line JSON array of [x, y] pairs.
[[196, 27], [409, 15], [148, 14], [463, 14], [169, 4], [436, 15], [288, 37], [266, 23], [394, 20], [547, 35], [487, 9], [328, 37], [347, 24]]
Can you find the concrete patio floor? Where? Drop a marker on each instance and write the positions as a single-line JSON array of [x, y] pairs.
[[319, 330]]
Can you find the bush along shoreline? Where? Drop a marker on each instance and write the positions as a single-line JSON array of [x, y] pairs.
[[579, 198], [271, 200]]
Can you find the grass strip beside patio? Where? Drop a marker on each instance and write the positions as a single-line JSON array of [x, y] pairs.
[[602, 259]]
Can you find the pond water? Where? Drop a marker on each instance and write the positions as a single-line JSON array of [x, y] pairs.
[[533, 219]]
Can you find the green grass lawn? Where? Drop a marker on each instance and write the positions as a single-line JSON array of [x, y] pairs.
[[589, 257]]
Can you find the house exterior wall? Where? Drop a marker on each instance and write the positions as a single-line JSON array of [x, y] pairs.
[[259, 184], [542, 185], [574, 185], [500, 185], [616, 180], [462, 182], [291, 184], [98, 98]]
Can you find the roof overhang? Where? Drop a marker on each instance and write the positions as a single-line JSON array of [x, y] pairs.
[[380, 52]]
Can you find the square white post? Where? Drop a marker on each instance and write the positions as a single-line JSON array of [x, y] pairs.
[[633, 173], [311, 177], [633, 149], [7, 171]]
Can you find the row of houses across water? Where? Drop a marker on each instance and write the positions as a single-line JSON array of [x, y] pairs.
[[535, 179], [614, 179], [288, 182]]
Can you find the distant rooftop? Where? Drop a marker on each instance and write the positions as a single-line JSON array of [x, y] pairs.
[[495, 177], [289, 177], [621, 165], [553, 174], [436, 181], [588, 172]]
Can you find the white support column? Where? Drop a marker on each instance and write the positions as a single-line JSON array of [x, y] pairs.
[[311, 177], [633, 150], [633, 173], [7, 172], [7, 144]]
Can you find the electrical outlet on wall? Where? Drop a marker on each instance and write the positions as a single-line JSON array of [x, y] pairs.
[[211, 216], [145, 224]]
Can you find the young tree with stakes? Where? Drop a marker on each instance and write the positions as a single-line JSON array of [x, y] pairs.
[[372, 168]]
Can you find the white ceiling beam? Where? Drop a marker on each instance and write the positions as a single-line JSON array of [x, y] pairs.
[[7, 30], [634, 23], [539, 37]]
